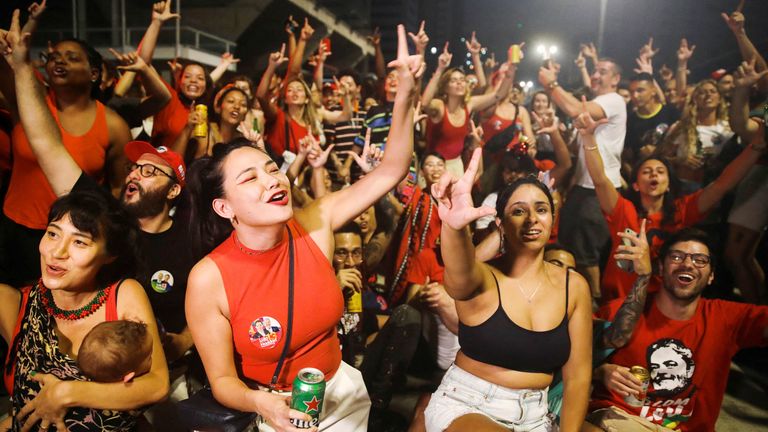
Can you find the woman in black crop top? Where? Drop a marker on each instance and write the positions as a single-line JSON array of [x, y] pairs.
[[521, 319]]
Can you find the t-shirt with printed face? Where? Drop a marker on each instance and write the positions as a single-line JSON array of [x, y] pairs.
[[688, 360]]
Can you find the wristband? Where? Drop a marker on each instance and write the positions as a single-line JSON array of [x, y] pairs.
[[553, 84], [594, 147]]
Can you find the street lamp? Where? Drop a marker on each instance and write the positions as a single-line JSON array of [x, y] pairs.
[[546, 51]]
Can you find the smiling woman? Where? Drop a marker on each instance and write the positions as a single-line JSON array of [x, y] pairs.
[[88, 247]]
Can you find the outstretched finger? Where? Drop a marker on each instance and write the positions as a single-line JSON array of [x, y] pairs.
[[584, 104], [421, 27], [740, 7], [282, 50], [15, 26], [445, 48], [439, 188], [402, 43], [474, 165]]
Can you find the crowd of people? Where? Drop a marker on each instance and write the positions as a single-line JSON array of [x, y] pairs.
[[170, 246]]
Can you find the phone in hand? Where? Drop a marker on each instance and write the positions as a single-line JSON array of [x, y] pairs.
[[627, 265]]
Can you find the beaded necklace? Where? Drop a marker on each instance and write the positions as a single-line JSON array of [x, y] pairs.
[[76, 314]]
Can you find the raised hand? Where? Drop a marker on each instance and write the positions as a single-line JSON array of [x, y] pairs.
[[371, 156], [444, 60], [638, 252], [278, 57], [734, 21], [375, 37], [473, 46], [36, 10], [129, 61], [14, 44], [580, 61], [490, 62], [307, 31], [420, 39], [647, 51], [548, 121], [418, 114], [228, 59], [584, 122], [317, 157], [409, 67], [251, 135], [290, 25], [547, 75], [454, 197], [746, 76], [322, 54], [589, 50], [161, 11], [644, 65], [685, 52], [476, 132]]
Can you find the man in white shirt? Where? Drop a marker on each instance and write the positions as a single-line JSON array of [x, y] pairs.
[[583, 228]]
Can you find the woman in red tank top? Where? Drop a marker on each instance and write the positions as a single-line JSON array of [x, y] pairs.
[[237, 296], [446, 102], [93, 134]]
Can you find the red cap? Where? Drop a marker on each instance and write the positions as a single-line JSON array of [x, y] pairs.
[[718, 74], [134, 150]]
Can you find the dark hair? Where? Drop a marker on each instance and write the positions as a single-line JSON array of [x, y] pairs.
[[350, 228], [95, 61], [616, 66], [642, 76], [668, 208], [101, 216], [205, 183], [350, 73], [431, 153], [557, 246], [248, 80], [540, 92], [206, 96], [113, 349], [516, 164], [219, 100], [504, 195], [685, 235]]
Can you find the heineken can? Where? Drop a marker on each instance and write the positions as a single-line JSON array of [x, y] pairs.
[[307, 396], [641, 374]]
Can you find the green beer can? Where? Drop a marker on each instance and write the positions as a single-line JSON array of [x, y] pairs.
[[307, 396]]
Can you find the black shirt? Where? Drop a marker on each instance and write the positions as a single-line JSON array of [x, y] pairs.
[[640, 130]]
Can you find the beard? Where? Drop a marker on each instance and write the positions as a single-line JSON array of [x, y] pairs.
[[150, 203]]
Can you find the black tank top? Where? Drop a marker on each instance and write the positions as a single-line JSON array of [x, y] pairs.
[[500, 342]]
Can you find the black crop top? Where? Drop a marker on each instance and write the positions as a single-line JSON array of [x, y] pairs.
[[501, 342]]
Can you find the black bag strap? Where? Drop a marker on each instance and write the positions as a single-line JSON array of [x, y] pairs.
[[290, 312]]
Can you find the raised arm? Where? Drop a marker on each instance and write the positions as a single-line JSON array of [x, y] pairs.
[[620, 331], [380, 66], [345, 114], [262, 91], [606, 192], [42, 132], [474, 47], [336, 209], [565, 100], [733, 172], [161, 12], [735, 22], [581, 64], [684, 53], [550, 125], [434, 107], [297, 56], [463, 273], [226, 59], [738, 111], [158, 94], [290, 27]]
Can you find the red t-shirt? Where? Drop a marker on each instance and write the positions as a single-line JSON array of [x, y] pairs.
[[424, 265], [688, 360], [616, 282], [256, 283], [276, 134], [170, 121]]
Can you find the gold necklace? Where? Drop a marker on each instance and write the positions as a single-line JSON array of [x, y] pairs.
[[526, 297]]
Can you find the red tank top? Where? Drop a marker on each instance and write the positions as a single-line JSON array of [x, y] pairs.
[[276, 138], [445, 138], [29, 195], [256, 284]]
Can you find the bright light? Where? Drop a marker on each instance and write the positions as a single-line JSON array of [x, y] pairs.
[[553, 49], [546, 51], [433, 50], [540, 49], [522, 83], [463, 39], [483, 51], [469, 55], [529, 84], [469, 62]]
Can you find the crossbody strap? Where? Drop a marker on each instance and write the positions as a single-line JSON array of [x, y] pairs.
[[288, 331]]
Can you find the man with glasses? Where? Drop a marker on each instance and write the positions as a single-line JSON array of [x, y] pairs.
[[685, 342]]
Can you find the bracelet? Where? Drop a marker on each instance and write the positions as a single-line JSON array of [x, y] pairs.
[[594, 147], [553, 84]]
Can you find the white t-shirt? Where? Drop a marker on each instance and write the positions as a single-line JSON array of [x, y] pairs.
[[712, 138], [610, 141]]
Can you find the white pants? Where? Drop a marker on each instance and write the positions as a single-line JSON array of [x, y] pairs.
[[346, 405]]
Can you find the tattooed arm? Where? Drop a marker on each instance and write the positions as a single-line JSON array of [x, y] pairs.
[[377, 246], [620, 331]]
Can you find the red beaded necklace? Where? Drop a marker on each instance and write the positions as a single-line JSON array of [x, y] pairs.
[[76, 314]]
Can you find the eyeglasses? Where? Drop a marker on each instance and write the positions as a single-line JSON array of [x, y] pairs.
[[343, 254], [698, 259], [149, 170]]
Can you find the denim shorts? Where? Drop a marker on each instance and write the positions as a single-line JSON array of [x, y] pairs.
[[462, 393]]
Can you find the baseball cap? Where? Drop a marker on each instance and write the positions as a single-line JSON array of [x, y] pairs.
[[134, 150]]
